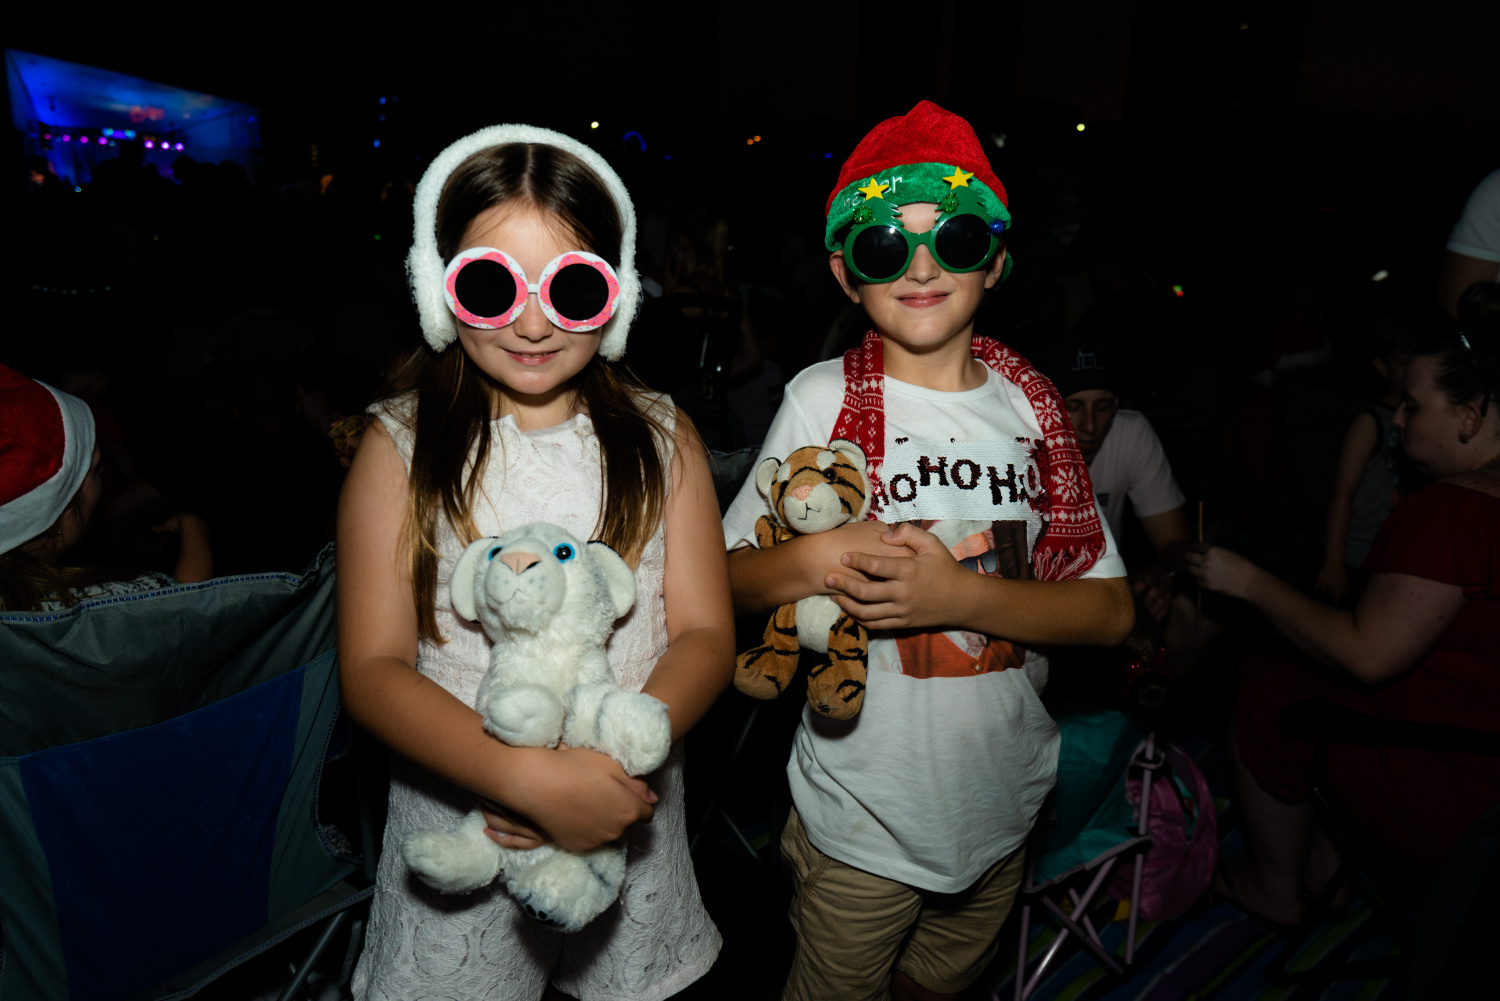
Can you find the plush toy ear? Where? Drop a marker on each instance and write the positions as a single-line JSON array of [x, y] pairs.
[[765, 473], [617, 574], [850, 451], [856, 458], [466, 575]]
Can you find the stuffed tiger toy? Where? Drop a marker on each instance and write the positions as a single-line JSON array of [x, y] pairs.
[[816, 488]]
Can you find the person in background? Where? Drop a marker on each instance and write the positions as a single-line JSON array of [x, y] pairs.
[[1473, 253], [1125, 460], [1368, 476], [50, 484], [1419, 645]]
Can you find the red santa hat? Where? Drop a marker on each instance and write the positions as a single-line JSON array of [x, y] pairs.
[[916, 157], [46, 447]]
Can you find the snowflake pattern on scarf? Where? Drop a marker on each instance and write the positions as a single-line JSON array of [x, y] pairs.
[[1073, 539]]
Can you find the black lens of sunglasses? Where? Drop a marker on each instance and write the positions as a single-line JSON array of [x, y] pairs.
[[962, 241], [879, 252], [485, 288], [579, 292]]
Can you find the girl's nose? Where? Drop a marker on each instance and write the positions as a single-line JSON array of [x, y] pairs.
[[533, 324]]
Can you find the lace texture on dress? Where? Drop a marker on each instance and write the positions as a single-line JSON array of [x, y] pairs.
[[421, 944]]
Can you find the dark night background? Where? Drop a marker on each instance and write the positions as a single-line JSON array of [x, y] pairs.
[[1265, 159]]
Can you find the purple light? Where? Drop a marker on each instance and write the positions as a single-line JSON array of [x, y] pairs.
[[150, 144], [178, 146], [67, 139], [102, 140]]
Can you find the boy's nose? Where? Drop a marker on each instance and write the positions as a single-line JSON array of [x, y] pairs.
[[923, 266]]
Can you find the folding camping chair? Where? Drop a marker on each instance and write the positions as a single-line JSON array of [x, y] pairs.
[[160, 761], [1090, 829]]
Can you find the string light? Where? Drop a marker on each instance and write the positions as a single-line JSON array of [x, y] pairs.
[[1177, 291], [1080, 126], [593, 125]]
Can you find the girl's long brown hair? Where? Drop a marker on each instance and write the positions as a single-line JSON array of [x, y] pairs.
[[454, 399]]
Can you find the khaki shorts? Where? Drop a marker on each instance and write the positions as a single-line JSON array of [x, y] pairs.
[[853, 926]]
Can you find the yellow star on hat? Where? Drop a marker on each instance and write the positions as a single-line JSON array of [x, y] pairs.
[[874, 189], [958, 179]]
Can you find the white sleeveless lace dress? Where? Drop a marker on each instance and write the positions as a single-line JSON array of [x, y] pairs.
[[421, 944]]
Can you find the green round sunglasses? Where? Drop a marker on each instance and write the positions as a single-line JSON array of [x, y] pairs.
[[879, 249]]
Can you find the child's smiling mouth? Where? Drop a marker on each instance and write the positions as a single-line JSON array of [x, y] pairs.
[[922, 300], [531, 357]]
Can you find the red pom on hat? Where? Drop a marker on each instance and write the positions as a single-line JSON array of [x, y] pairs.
[[925, 134]]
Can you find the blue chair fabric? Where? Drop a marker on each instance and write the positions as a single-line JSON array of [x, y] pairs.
[[160, 755]]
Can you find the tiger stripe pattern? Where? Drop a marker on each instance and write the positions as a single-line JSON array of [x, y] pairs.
[[814, 489]]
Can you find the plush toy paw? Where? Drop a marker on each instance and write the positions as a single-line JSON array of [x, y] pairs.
[[454, 861], [567, 890], [630, 727], [524, 716], [764, 671]]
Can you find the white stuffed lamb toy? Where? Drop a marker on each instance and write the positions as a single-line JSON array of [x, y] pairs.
[[548, 603]]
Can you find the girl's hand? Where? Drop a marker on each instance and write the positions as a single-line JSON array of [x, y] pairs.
[[910, 587], [1223, 571], [510, 830], [581, 798]]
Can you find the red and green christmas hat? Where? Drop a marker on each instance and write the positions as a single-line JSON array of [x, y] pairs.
[[920, 156]]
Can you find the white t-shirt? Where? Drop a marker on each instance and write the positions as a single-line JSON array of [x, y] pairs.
[[1477, 233], [944, 769], [1131, 463]]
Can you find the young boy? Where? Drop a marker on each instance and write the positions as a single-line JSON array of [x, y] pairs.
[[910, 817]]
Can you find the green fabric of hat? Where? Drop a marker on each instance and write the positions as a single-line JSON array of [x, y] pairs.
[[908, 182]]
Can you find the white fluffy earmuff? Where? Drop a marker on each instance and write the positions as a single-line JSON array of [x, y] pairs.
[[425, 266]]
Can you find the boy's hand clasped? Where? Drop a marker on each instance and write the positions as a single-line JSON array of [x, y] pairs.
[[910, 584]]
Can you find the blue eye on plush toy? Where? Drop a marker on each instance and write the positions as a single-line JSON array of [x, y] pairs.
[[494, 551], [564, 553]]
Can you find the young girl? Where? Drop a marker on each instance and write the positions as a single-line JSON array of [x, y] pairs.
[[523, 254]]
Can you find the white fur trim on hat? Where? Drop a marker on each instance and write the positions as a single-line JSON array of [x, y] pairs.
[[36, 510], [425, 266]]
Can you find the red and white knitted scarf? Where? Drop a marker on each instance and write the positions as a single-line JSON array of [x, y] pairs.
[[1072, 539]]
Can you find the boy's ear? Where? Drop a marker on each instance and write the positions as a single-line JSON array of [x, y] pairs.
[[841, 272], [996, 268]]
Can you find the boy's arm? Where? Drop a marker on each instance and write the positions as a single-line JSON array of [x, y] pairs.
[[931, 589], [765, 579]]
